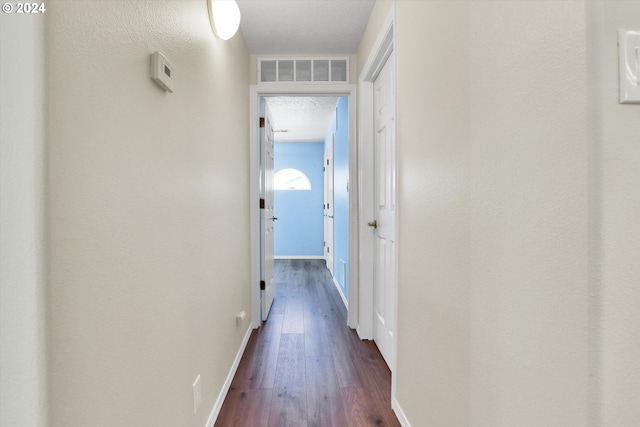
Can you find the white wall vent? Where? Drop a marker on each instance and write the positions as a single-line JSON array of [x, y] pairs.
[[303, 70]]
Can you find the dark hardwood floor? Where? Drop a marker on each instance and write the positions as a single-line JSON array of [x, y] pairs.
[[304, 366]]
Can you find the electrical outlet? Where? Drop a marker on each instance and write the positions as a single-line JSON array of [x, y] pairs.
[[197, 394], [240, 317]]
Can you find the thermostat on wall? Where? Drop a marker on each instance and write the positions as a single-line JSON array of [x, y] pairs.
[[162, 71]]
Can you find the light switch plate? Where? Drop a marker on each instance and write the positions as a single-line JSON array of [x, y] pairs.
[[629, 58]]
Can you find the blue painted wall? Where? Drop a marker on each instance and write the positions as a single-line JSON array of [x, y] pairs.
[[299, 228], [340, 125]]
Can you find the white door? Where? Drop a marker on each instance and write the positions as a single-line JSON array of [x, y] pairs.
[[385, 213], [328, 203], [267, 284]]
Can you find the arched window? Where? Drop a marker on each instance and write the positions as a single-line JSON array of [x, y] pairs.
[[291, 179]]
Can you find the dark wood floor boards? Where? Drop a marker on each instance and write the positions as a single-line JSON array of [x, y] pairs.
[[262, 360], [316, 336], [304, 367], [289, 404], [324, 397]]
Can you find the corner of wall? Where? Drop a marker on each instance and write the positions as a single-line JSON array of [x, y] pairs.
[[23, 250]]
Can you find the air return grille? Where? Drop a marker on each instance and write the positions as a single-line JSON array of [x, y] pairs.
[[307, 70]]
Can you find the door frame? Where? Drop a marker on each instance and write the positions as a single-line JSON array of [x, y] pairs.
[[265, 134], [283, 89], [383, 50], [329, 190]]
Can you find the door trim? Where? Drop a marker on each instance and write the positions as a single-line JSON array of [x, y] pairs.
[[281, 89], [328, 171], [267, 197], [382, 51]]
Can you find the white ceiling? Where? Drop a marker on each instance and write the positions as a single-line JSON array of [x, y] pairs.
[[286, 27], [303, 26], [301, 118]]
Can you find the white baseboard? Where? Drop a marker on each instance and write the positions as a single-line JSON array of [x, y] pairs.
[[344, 300], [298, 257], [225, 388], [402, 418]]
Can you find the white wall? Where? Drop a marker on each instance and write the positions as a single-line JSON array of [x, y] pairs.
[[149, 212], [493, 213], [377, 19], [432, 372], [22, 243], [529, 296], [615, 156], [434, 251]]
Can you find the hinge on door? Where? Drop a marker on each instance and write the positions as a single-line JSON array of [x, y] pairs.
[[263, 285], [261, 203], [261, 122]]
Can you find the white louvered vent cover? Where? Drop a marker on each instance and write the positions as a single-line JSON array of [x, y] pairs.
[[307, 70]]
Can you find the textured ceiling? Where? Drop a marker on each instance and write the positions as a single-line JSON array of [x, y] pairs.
[[305, 119], [304, 26]]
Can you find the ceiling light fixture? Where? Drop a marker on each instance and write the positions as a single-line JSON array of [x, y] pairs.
[[224, 16]]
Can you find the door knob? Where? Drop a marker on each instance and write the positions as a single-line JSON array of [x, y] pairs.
[[373, 224]]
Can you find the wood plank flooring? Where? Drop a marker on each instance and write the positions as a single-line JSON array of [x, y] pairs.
[[304, 367]]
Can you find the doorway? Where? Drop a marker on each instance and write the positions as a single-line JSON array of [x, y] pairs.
[[305, 129], [284, 90]]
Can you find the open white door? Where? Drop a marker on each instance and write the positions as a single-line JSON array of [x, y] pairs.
[[267, 283], [385, 214], [328, 203]]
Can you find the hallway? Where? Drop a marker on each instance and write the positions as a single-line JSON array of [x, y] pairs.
[[305, 367]]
